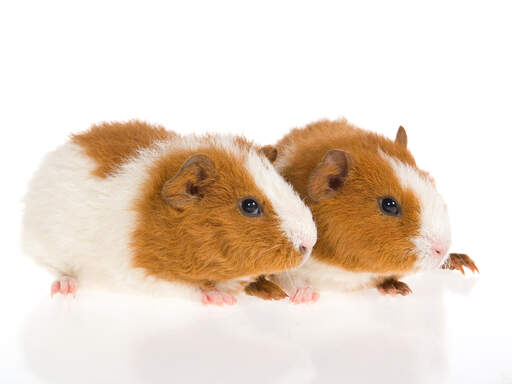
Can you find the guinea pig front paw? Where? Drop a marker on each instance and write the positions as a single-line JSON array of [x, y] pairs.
[[214, 297], [65, 286], [265, 289], [393, 287], [459, 261], [304, 295]]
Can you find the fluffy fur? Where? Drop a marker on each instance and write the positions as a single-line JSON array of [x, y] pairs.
[[122, 206], [341, 171]]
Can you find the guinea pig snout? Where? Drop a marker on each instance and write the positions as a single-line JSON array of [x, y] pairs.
[[305, 247], [438, 251], [438, 248]]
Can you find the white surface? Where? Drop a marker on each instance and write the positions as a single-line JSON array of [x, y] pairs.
[[441, 69]]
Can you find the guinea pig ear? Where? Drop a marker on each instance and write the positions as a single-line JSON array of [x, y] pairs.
[[270, 152], [328, 177], [190, 182], [401, 137]]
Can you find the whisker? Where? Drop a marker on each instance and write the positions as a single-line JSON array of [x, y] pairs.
[[264, 253], [287, 272]]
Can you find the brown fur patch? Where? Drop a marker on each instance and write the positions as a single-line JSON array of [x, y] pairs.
[[112, 144], [352, 231], [208, 240]]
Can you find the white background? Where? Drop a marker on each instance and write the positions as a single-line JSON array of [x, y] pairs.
[[440, 68]]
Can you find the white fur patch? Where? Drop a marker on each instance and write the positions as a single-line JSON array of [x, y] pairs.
[[322, 276], [296, 219], [435, 223]]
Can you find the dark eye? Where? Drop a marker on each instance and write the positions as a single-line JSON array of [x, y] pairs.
[[389, 206], [250, 207]]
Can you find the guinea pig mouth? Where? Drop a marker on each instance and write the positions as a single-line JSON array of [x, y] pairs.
[[305, 257], [431, 260], [431, 254]]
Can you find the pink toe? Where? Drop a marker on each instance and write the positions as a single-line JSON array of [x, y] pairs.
[[64, 287], [228, 299], [72, 287], [218, 299], [315, 297], [55, 287], [298, 297], [308, 295]]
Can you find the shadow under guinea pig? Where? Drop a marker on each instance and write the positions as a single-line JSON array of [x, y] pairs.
[[357, 338], [109, 339]]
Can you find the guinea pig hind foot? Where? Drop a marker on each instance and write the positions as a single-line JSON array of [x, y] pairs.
[[393, 287], [304, 295], [65, 286], [216, 297]]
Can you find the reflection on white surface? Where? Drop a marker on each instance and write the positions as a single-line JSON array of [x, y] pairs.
[[352, 338]]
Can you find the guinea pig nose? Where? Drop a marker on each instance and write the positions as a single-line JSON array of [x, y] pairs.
[[438, 250]]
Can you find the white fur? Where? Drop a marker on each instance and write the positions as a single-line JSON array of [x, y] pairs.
[[296, 219], [322, 276], [435, 223], [80, 225]]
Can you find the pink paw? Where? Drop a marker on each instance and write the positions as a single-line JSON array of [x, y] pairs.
[[217, 298], [304, 296], [64, 286]]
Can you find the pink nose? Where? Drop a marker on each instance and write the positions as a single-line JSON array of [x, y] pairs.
[[438, 250], [304, 248]]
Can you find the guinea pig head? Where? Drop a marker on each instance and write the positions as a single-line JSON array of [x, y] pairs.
[[224, 214], [376, 211]]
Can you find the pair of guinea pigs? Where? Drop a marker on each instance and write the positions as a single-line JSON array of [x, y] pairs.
[[132, 206]]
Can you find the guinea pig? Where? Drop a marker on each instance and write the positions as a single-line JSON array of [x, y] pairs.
[[131, 206], [379, 217]]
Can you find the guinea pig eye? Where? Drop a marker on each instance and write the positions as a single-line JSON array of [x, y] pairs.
[[389, 206], [250, 207]]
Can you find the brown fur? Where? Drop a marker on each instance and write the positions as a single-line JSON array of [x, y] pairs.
[[352, 232], [111, 144]]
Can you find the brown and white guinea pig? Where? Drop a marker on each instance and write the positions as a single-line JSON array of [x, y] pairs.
[[133, 206], [378, 216]]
